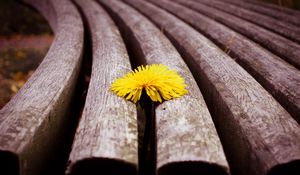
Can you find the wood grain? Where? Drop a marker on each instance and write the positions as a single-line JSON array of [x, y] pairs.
[[280, 13], [107, 132], [36, 117], [279, 78], [277, 44], [186, 134], [283, 28], [256, 132]]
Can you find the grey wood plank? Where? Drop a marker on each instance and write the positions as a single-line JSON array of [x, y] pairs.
[[36, 116], [258, 135], [106, 138], [277, 44], [283, 28], [279, 78], [187, 140]]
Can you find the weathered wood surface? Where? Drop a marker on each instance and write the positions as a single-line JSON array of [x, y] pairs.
[[106, 138], [283, 28], [33, 123], [280, 78], [277, 44], [258, 135], [186, 136], [280, 13]]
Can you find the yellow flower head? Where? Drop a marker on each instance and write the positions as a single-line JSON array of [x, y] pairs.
[[157, 80]]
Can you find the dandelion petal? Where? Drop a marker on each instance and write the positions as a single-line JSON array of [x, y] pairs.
[[157, 80]]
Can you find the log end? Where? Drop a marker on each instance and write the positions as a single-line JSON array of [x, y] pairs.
[[192, 168], [9, 163], [291, 168], [104, 166]]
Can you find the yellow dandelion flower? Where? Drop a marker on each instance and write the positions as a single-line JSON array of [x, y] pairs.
[[157, 80]]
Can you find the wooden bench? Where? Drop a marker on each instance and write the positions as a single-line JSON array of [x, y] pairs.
[[239, 117], [257, 134], [181, 135], [278, 44], [33, 124], [276, 75]]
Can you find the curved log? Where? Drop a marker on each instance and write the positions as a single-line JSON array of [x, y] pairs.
[[36, 117]]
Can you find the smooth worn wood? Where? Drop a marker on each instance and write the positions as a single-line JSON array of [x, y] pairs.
[[187, 140], [258, 135], [278, 77], [34, 122], [285, 29], [106, 138], [277, 44], [277, 12]]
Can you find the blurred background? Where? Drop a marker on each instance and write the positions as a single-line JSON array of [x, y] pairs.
[[25, 38]]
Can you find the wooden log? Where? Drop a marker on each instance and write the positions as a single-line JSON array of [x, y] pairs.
[[186, 137], [285, 29], [278, 77], [277, 44], [277, 13], [106, 138], [33, 123], [257, 134]]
